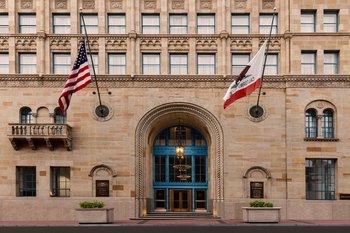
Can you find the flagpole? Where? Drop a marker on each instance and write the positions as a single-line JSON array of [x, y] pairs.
[[92, 63], [266, 52]]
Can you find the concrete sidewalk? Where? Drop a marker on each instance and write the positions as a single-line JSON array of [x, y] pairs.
[[191, 222]]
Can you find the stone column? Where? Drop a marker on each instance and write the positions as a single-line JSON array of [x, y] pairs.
[[11, 5], [131, 54]]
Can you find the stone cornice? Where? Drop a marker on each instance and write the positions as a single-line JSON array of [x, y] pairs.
[[177, 81]]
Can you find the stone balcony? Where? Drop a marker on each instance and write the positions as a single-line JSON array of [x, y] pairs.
[[40, 134]]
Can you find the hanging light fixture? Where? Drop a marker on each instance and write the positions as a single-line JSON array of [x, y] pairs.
[[180, 153]]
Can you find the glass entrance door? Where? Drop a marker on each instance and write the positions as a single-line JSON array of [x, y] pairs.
[[180, 200]]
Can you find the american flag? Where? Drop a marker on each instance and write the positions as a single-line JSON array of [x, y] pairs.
[[79, 78]]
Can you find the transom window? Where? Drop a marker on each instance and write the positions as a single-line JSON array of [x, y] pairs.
[[4, 63], [27, 23], [177, 23], [61, 63], [308, 21], [4, 23], [91, 23], [150, 24], [117, 63], [206, 23], [331, 62], [60, 182], [239, 62], [26, 181], [320, 179], [330, 21], [61, 23], [178, 64], [308, 62], [27, 63], [240, 24], [265, 24], [150, 64], [206, 64], [116, 24]]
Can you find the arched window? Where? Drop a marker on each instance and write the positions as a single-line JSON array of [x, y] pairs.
[[311, 123], [26, 115], [327, 123], [58, 117]]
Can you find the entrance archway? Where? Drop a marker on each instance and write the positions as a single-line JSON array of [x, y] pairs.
[[165, 116]]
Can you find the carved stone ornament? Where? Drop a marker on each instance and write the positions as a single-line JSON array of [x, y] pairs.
[[116, 43], [117, 4], [26, 4], [2, 4], [268, 4], [4, 43], [206, 43], [178, 4], [240, 4], [88, 4], [178, 44], [150, 4], [206, 4], [61, 4]]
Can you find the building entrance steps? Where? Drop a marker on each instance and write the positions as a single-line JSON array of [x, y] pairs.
[[177, 216]]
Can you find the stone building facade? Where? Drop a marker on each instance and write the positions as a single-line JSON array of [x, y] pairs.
[[163, 66]]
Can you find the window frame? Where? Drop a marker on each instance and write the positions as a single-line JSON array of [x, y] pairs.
[[22, 184], [264, 26], [328, 123], [336, 23], [238, 25], [58, 117], [55, 182], [22, 65], [178, 26], [81, 15], [205, 65], [143, 27], [4, 25], [95, 61], [55, 26], [268, 65], [303, 64], [21, 26], [313, 24], [109, 65], [109, 26], [151, 65], [239, 66], [171, 65], [311, 123], [67, 66], [213, 27], [334, 64], [26, 118], [4, 65]]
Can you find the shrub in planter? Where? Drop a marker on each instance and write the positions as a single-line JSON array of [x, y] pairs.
[[92, 204], [259, 203], [261, 211], [93, 212]]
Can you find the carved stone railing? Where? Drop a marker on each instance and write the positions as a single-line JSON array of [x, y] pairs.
[[34, 133]]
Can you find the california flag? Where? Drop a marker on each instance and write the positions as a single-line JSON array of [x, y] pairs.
[[248, 80]]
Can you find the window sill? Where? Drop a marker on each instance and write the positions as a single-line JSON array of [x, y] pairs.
[[321, 139]]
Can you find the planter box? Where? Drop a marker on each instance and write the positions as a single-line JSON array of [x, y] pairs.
[[95, 215], [261, 214]]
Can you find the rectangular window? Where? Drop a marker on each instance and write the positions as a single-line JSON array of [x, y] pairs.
[[178, 64], [61, 23], [4, 23], [61, 63], [330, 21], [308, 21], [206, 23], [159, 165], [26, 181], [117, 63], [116, 24], [271, 67], [239, 61], [95, 61], [4, 63], [27, 23], [177, 23], [60, 182], [27, 63], [151, 64], [91, 23], [327, 124], [320, 179], [240, 24], [308, 62], [150, 24], [200, 169], [206, 64], [331, 62], [265, 24]]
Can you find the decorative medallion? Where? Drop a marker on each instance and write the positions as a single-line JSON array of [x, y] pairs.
[[117, 4], [178, 4], [150, 4], [240, 4], [26, 4], [88, 4], [102, 112], [257, 113], [268, 4], [61, 4], [206, 4], [2, 4]]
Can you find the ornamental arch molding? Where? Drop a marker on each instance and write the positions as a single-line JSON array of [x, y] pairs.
[[257, 175], [103, 173], [167, 115]]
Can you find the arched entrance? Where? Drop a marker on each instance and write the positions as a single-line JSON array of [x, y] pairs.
[[165, 116], [180, 181]]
